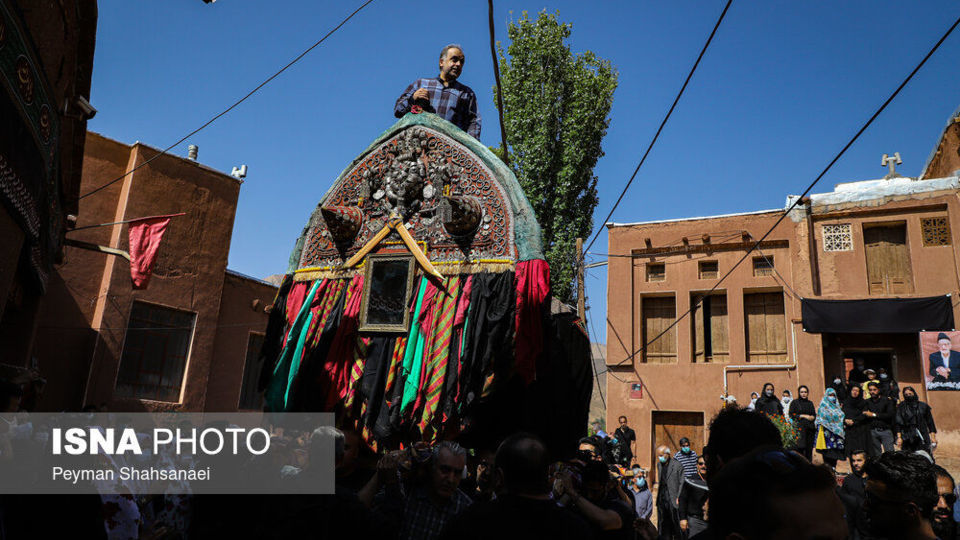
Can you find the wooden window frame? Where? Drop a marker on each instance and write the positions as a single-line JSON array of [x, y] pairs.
[[671, 335], [699, 316], [766, 355], [764, 265], [705, 275], [135, 346], [656, 277]]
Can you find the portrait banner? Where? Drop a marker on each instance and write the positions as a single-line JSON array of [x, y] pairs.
[[940, 356]]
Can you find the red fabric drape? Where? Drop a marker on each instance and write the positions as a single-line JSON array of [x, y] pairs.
[[533, 287], [145, 236]]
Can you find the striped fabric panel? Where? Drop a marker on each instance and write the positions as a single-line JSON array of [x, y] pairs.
[[326, 307], [356, 370], [439, 352]]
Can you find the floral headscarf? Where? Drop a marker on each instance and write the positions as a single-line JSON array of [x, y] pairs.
[[829, 413]]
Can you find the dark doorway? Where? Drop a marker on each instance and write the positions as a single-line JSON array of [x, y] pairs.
[[871, 360]]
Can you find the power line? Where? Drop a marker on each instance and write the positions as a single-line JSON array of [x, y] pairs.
[[802, 195], [663, 123], [231, 107]]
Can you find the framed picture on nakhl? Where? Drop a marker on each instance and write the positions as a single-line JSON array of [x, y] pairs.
[[387, 283]]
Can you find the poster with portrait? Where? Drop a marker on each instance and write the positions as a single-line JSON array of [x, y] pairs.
[[940, 355]]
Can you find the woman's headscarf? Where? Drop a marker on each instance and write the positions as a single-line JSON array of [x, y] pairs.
[[855, 402], [829, 413]]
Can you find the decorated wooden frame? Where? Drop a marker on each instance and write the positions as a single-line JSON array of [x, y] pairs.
[[387, 286]]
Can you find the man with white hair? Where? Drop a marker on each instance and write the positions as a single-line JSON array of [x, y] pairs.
[[420, 506]]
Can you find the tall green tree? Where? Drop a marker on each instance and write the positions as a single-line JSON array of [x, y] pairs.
[[556, 107]]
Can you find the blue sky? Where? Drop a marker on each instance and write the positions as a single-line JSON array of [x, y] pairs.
[[782, 88]]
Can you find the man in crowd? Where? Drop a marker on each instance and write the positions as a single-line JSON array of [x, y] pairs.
[[881, 412], [443, 94], [901, 493], [422, 504], [642, 498], [852, 494], [734, 433], [857, 375], [775, 493], [693, 498], [352, 475], [597, 503], [914, 424], [524, 509], [943, 523], [626, 438], [589, 449], [687, 458], [670, 479]]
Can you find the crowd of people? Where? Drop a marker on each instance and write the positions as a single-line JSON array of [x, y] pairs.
[[746, 483]]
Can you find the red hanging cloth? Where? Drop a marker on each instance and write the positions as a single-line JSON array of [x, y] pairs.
[[533, 287], [144, 237]]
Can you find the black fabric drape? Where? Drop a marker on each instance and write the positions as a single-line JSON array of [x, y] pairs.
[[273, 339], [312, 383], [881, 315], [374, 380], [488, 341]]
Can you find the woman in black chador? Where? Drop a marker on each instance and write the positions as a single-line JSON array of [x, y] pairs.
[[802, 414]]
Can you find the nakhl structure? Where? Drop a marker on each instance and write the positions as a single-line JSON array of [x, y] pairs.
[[416, 303]]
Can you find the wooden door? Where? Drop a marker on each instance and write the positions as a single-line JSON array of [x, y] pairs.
[[671, 426], [659, 313], [766, 327], [888, 261]]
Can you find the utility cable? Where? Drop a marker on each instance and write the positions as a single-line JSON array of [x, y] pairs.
[[663, 123], [802, 195], [231, 107]]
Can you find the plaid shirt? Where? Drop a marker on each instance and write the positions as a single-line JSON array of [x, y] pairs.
[[455, 102], [420, 518]]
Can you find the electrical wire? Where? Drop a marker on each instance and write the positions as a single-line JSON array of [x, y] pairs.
[[231, 107], [802, 195], [663, 123]]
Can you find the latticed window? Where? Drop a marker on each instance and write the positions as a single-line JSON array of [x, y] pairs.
[[936, 231], [837, 237]]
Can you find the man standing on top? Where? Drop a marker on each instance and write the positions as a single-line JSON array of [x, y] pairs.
[[687, 457], [626, 438], [881, 412], [443, 95]]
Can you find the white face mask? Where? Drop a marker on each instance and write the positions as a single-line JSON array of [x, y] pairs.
[[837, 381]]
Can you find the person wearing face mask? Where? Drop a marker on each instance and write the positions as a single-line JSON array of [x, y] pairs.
[[670, 477], [803, 413], [693, 497], [642, 498], [888, 386], [914, 424], [687, 457], [752, 406], [830, 422], [839, 387], [768, 403], [785, 401]]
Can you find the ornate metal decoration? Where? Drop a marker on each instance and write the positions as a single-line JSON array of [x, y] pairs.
[[419, 175], [343, 222], [837, 237], [936, 231]]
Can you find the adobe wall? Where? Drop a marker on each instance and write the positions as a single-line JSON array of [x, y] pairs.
[[188, 275], [244, 309]]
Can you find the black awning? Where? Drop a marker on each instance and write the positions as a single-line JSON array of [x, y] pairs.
[[882, 315]]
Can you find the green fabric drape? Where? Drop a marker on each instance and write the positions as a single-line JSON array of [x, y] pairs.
[[278, 392], [413, 357]]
